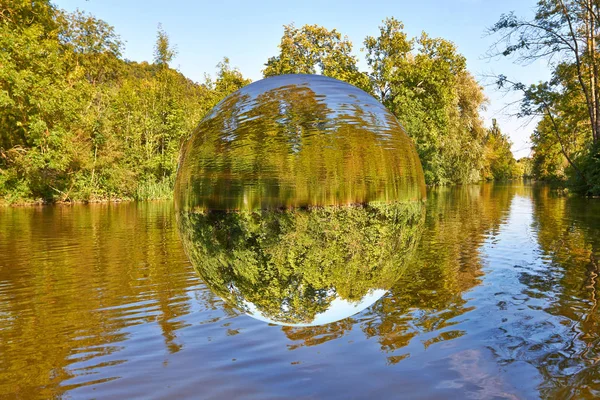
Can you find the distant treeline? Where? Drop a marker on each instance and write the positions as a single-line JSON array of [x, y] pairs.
[[78, 122]]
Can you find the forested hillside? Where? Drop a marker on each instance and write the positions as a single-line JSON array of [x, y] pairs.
[[78, 122]]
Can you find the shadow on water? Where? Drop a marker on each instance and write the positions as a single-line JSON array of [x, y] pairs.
[[498, 300]]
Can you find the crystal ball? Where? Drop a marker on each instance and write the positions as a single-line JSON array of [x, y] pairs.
[[299, 200], [302, 267]]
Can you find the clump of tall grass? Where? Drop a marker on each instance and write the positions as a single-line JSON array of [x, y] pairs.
[[154, 190]]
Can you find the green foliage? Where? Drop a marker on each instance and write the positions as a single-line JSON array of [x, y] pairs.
[[151, 190], [548, 162], [163, 51], [524, 167], [422, 81], [79, 123], [314, 49], [499, 162], [565, 142], [290, 264], [563, 129], [425, 83], [587, 181], [228, 81]]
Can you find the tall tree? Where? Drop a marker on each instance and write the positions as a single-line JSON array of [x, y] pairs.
[[315, 49], [424, 82], [227, 81], [565, 33], [390, 57], [163, 50]]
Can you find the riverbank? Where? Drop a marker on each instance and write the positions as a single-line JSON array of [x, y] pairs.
[[40, 203], [554, 187], [168, 195]]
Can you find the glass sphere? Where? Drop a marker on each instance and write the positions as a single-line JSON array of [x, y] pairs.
[[299, 199], [303, 266]]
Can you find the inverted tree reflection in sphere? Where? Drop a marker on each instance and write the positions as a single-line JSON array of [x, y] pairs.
[[302, 266], [299, 199]]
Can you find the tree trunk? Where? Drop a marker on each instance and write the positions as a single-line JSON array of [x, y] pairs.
[[579, 64], [594, 70]]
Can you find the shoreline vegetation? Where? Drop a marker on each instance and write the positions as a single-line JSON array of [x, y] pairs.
[[81, 124], [558, 189]]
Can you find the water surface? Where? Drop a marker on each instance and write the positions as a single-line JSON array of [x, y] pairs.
[[499, 300]]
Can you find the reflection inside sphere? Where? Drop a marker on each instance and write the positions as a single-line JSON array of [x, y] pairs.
[[297, 141], [302, 266], [299, 199]]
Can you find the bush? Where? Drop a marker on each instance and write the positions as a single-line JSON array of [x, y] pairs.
[[586, 181]]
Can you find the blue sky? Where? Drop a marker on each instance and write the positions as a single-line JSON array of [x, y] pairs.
[[248, 33]]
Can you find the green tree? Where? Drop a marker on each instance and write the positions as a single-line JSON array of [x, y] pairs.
[[163, 51], [424, 82], [227, 81], [80, 123], [42, 93], [565, 33], [499, 161], [314, 49]]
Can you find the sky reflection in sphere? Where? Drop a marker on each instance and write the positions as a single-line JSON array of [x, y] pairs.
[[299, 199]]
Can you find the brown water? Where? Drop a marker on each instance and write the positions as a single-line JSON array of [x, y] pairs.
[[500, 301]]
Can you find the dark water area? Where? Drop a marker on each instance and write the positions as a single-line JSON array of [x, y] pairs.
[[499, 300]]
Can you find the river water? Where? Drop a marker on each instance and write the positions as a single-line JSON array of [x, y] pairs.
[[498, 301]]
